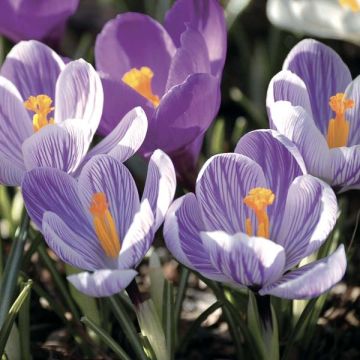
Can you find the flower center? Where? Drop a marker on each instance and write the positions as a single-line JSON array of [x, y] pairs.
[[352, 4], [338, 129], [41, 106], [140, 81], [104, 225], [258, 199]]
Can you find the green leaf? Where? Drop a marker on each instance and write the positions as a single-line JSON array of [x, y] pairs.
[[106, 338], [11, 316], [151, 328], [157, 281], [168, 318]]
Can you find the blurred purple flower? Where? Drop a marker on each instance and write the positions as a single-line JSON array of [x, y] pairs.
[[97, 222], [172, 72], [254, 216], [35, 19], [34, 83], [315, 103]]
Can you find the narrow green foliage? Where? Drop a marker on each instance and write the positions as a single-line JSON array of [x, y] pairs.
[[168, 318]]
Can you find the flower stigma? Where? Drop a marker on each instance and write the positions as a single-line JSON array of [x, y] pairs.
[[258, 199], [338, 129], [353, 5], [41, 106], [104, 225], [140, 81]]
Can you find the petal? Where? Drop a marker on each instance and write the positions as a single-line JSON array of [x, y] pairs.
[[208, 18], [187, 110], [59, 146], [345, 166], [309, 217], [102, 283], [79, 95], [138, 238], [47, 189], [222, 184], [15, 127], [33, 68], [125, 139], [248, 261], [190, 58], [119, 99], [324, 74], [297, 125], [160, 185], [310, 280], [287, 86], [70, 247], [182, 228], [10, 173], [135, 40], [280, 162], [105, 174], [353, 115]]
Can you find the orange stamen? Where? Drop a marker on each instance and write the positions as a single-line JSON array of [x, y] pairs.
[[41, 106]]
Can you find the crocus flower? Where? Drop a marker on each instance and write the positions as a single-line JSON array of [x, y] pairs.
[[334, 19], [315, 103], [50, 112], [97, 222], [172, 72], [35, 19], [254, 216]]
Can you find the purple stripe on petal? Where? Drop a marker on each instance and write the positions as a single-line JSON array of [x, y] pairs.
[[221, 187], [102, 283], [310, 280], [160, 185], [248, 261], [324, 74], [353, 115], [182, 237], [15, 124], [59, 146], [345, 166], [104, 174], [206, 16], [46, 189], [297, 125], [79, 95], [33, 68], [287, 86], [125, 139], [81, 252], [10, 173], [310, 215], [138, 238], [280, 162]]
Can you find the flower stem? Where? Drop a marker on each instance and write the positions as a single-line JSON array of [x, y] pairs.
[[11, 271]]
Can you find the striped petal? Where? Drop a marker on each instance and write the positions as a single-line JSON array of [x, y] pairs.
[[105, 174], [248, 261], [353, 115], [79, 95], [297, 125], [310, 280], [182, 228], [324, 74], [102, 283], [221, 186], [309, 217], [160, 185], [33, 68]]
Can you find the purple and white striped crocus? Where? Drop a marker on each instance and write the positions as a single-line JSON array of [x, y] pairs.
[[49, 113], [254, 216], [314, 102], [35, 19], [171, 71], [97, 222]]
